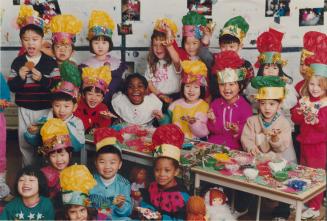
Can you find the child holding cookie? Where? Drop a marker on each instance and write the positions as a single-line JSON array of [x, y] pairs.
[[32, 76]]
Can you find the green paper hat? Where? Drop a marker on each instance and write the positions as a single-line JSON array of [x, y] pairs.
[[319, 69], [192, 23], [70, 79], [236, 27], [269, 87]]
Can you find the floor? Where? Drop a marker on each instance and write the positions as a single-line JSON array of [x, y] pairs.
[[14, 163]]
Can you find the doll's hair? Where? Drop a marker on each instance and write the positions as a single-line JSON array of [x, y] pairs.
[[152, 58], [31, 27], [215, 193], [228, 39], [90, 88], [91, 213], [32, 171], [195, 208], [108, 149], [61, 96], [98, 38], [130, 77], [174, 162], [134, 173], [322, 83], [202, 91], [281, 73]]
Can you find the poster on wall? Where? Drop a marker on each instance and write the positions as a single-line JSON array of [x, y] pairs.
[[277, 8], [130, 10], [311, 16], [203, 7]]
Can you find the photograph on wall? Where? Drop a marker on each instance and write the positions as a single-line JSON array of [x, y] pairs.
[[277, 8], [325, 5], [311, 16], [130, 10], [124, 29], [201, 7]]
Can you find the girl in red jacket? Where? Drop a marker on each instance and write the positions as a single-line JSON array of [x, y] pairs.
[[311, 114]]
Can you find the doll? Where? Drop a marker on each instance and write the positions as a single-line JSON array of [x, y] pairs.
[[138, 179], [196, 209], [217, 209]]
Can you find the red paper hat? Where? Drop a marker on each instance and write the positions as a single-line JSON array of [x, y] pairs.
[[228, 67], [107, 136], [313, 41], [168, 140], [317, 63], [269, 45]]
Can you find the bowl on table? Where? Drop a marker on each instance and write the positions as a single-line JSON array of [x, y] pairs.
[[232, 166], [281, 176], [250, 173]]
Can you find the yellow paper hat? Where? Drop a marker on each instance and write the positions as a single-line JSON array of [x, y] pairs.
[[27, 15], [166, 21], [96, 77], [194, 71], [76, 181], [269, 87], [100, 24], [64, 28], [55, 135]]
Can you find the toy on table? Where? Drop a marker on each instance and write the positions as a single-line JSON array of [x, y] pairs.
[[196, 209], [148, 214], [138, 179], [298, 184], [216, 206]]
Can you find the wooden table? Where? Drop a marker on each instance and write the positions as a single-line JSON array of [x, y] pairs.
[[262, 191]]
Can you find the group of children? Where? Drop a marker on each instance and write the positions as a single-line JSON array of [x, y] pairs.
[[185, 91]]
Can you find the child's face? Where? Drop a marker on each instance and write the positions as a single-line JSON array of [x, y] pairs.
[[158, 49], [192, 92], [192, 46], [93, 98], [229, 91], [217, 201], [270, 70], [28, 186], [165, 172], [32, 42], [107, 165], [63, 109], [315, 88], [100, 47], [231, 47], [77, 213], [136, 91], [268, 108], [141, 176], [59, 160], [63, 52]]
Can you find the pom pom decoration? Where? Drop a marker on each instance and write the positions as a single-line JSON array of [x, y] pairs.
[[160, 23], [236, 27], [100, 24], [27, 15], [96, 77], [194, 71], [107, 136], [193, 24]]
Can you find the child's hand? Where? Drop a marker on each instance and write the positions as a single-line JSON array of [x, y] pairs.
[[4, 104], [211, 115], [157, 114], [165, 98], [36, 75], [107, 114], [274, 135], [119, 200], [299, 110], [23, 71], [188, 119], [255, 151], [33, 129], [233, 127]]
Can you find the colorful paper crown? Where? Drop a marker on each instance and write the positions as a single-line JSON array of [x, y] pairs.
[[194, 71], [269, 45], [27, 15], [70, 79], [64, 29], [160, 23], [229, 67], [168, 140], [107, 136], [269, 87], [236, 27], [76, 181], [55, 136], [193, 24], [100, 24], [96, 77], [317, 63]]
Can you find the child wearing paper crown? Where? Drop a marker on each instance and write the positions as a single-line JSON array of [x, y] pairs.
[[32, 76], [190, 112], [91, 110], [64, 103], [269, 131], [76, 181], [311, 114], [167, 195], [229, 112], [101, 27], [163, 68], [112, 194], [64, 29]]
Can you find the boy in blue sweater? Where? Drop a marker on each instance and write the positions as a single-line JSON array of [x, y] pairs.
[[111, 195]]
